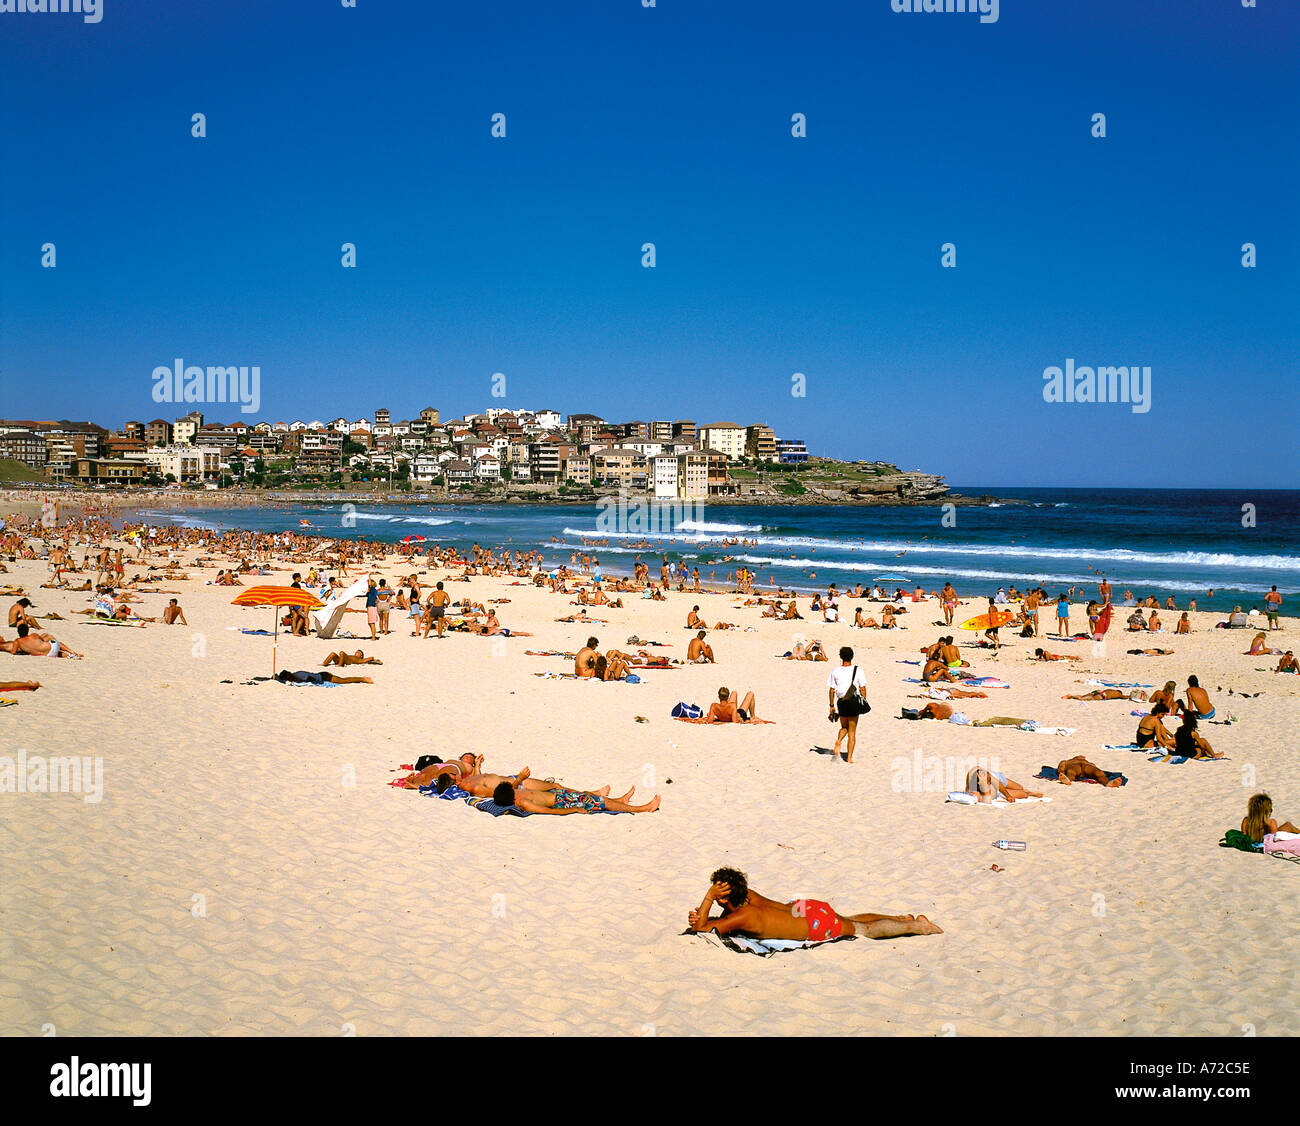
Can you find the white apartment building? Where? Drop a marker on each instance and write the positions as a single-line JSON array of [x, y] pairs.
[[726, 437]]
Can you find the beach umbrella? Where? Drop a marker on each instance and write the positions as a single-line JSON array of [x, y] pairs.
[[413, 539], [279, 597]]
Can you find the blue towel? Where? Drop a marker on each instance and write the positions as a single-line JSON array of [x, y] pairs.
[[1123, 747]]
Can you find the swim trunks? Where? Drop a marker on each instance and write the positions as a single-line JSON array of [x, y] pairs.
[[576, 799], [823, 923]]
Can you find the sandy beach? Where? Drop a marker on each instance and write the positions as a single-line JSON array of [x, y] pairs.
[[249, 871]]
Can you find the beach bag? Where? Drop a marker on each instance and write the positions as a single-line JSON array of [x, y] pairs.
[[688, 711], [853, 703], [1235, 838]]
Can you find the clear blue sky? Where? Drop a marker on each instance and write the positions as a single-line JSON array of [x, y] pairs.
[[672, 125]]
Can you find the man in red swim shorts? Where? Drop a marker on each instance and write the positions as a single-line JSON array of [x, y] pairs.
[[807, 920]]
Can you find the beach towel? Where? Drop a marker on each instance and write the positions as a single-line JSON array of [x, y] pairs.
[[763, 947], [976, 681], [1285, 845], [1116, 684], [325, 620], [963, 797], [1048, 774], [5, 702]]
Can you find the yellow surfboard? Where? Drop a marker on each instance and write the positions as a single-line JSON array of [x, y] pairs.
[[999, 618]]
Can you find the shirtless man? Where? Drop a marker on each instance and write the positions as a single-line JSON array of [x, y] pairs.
[[803, 920], [693, 619], [1198, 701], [436, 614], [726, 710], [584, 664], [699, 652], [1287, 663], [35, 645], [344, 658], [172, 613], [934, 670], [1079, 769], [562, 800], [1106, 694]]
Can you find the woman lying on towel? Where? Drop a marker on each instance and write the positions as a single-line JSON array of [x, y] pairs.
[[990, 784]]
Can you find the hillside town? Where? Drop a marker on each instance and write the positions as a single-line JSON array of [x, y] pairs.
[[575, 453]]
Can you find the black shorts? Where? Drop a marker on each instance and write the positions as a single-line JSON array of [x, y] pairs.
[[437, 611]]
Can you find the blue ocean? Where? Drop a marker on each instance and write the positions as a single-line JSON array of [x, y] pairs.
[[1237, 543]]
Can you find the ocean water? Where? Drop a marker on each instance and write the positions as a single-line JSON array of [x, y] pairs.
[[1171, 541]]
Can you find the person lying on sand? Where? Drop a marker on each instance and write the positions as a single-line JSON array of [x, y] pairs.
[[562, 800], [19, 685], [1108, 694], [989, 784], [1079, 769], [1151, 730], [28, 644], [342, 657], [744, 911], [813, 651], [1153, 652], [305, 676], [456, 769], [727, 710], [1044, 655]]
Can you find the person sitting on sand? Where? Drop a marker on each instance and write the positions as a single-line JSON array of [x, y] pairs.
[[746, 912], [1190, 742], [1259, 647], [1198, 700], [1259, 822], [699, 652], [1167, 697], [1154, 625], [30, 644], [1184, 624], [1287, 663], [1079, 769], [887, 618], [693, 619], [1151, 730], [1136, 622], [1044, 655], [172, 613], [18, 615], [562, 800], [813, 651], [990, 784], [345, 658], [936, 670]]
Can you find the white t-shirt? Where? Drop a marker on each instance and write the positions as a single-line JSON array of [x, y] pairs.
[[841, 676]]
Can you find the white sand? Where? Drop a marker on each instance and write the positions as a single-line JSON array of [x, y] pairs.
[[331, 902]]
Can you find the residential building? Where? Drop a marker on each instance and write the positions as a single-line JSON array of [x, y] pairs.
[[24, 445], [664, 476], [684, 430], [184, 463], [158, 433], [726, 437], [760, 442], [791, 451]]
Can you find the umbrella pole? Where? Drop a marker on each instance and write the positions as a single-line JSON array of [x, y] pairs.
[[275, 645]]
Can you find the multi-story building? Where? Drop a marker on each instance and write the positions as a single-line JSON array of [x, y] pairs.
[[24, 445], [186, 464], [617, 466], [183, 431], [684, 430], [133, 430], [664, 475], [577, 469], [693, 475], [429, 416], [544, 461], [661, 431], [459, 472], [107, 471], [382, 417], [791, 451], [726, 437], [158, 433], [488, 468], [760, 442]]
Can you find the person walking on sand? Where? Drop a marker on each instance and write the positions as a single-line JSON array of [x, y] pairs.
[[847, 687]]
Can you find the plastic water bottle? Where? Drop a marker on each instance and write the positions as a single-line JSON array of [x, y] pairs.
[[1014, 846]]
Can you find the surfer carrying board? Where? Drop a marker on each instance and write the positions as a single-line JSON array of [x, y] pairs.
[[992, 632]]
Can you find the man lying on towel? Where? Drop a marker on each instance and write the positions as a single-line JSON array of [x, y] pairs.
[[562, 800], [801, 920], [1079, 769]]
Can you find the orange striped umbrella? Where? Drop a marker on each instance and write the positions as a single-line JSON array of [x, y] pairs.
[[278, 596]]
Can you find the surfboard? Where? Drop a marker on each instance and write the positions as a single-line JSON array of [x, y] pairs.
[[1103, 621], [999, 618]]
